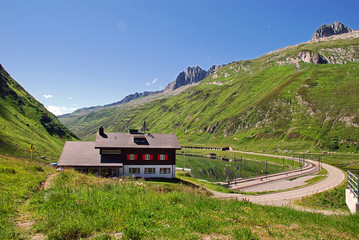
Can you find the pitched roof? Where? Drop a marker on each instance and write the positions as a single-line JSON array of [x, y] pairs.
[[82, 154], [127, 140]]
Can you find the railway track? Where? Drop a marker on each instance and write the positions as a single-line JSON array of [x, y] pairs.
[[308, 168]]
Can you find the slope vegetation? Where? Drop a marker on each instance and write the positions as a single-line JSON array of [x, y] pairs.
[[300, 97], [24, 120]]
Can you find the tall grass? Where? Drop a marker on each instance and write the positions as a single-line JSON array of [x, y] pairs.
[[19, 178], [333, 199], [83, 206]]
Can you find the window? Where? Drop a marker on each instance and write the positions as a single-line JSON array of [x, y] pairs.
[[165, 170], [108, 151], [141, 141], [150, 170], [131, 156], [162, 157], [134, 170], [147, 157], [111, 151]]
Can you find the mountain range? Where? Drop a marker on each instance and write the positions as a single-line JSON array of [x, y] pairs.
[[299, 97], [191, 75]]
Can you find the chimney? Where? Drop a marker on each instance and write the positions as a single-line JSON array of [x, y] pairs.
[[101, 131]]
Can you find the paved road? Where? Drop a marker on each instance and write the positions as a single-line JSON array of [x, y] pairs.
[[335, 177]]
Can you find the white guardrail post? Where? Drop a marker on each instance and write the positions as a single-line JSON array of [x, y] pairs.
[[352, 192]]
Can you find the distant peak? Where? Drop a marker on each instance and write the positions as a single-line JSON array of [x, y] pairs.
[[330, 30]]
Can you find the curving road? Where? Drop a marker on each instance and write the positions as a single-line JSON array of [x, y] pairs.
[[334, 178]]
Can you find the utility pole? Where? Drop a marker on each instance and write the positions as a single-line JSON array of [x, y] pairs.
[[293, 161], [241, 168], [301, 163], [184, 160], [283, 164], [234, 170], [227, 166], [319, 162], [266, 170], [244, 167]]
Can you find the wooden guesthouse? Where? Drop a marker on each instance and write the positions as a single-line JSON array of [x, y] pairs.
[[123, 154]]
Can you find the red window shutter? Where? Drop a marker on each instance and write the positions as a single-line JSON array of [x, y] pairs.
[[143, 157], [166, 156], [151, 157], [158, 157], [135, 156], [128, 156]]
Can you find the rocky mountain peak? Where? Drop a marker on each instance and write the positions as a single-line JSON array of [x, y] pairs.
[[190, 76], [336, 28]]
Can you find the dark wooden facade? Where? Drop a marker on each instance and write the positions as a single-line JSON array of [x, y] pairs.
[[123, 157]]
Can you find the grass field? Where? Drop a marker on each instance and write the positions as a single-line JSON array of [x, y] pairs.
[[79, 206], [333, 199], [82, 206], [19, 180]]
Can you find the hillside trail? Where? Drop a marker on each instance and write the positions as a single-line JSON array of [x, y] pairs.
[[24, 221]]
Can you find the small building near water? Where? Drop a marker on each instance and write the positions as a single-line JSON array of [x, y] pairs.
[[123, 154]]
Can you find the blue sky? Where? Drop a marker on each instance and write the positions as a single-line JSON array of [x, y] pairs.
[[74, 54]]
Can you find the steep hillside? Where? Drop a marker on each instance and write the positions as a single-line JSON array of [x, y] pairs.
[[300, 97], [24, 120]]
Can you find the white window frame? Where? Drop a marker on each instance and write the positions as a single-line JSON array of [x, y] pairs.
[[162, 157], [147, 157], [150, 170], [132, 156], [137, 171], [165, 170]]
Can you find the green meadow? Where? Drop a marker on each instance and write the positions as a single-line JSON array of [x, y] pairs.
[[79, 206], [83, 206], [19, 180]]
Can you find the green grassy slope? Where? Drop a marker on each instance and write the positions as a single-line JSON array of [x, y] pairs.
[[19, 179], [24, 120], [78, 206], [263, 104]]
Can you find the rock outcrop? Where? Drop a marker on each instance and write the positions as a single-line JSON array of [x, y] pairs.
[[336, 28], [311, 57], [190, 76]]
